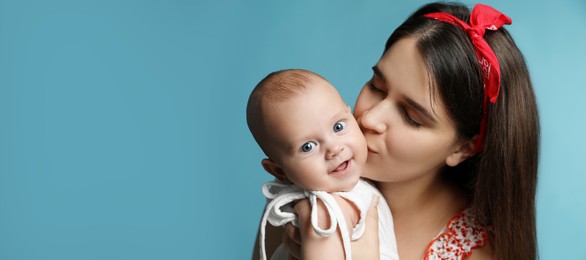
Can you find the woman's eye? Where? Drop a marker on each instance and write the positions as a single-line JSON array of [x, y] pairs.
[[410, 120], [339, 126], [373, 87], [307, 147]]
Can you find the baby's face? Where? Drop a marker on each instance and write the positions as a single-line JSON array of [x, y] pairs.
[[317, 141]]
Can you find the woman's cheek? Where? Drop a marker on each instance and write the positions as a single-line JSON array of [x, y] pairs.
[[404, 148], [361, 104]]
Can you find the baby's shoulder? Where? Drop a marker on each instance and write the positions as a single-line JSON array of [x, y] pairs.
[[304, 210]]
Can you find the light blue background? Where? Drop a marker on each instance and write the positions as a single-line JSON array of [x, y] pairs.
[[122, 125]]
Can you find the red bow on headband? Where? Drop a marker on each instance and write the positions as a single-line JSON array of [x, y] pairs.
[[482, 18]]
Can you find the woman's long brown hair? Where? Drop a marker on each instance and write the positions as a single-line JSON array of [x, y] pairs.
[[501, 180]]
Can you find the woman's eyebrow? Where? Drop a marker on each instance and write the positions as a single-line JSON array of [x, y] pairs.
[[378, 73], [422, 110]]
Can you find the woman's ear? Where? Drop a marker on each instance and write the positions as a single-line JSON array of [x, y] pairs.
[[461, 152], [274, 169]]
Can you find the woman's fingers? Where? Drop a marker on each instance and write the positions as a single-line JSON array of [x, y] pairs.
[[292, 236], [373, 213], [291, 241], [367, 247], [292, 233]]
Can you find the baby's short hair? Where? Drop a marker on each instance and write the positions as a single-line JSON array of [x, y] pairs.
[[275, 87]]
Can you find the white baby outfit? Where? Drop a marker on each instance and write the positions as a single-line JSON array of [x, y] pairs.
[[279, 211]]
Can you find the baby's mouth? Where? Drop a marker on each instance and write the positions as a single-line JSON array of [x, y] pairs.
[[341, 167]]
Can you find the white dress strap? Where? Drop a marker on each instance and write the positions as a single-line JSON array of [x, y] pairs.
[[280, 195]]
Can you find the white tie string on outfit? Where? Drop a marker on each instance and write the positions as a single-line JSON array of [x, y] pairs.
[[279, 212]]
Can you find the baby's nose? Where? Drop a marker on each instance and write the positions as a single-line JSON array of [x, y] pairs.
[[334, 152]]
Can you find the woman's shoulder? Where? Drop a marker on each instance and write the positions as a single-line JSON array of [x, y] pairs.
[[462, 237]]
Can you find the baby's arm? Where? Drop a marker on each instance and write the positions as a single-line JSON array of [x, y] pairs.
[[314, 246]]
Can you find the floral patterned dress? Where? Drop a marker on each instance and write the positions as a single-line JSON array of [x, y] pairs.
[[456, 241]]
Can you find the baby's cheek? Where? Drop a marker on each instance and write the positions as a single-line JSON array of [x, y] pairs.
[[360, 150], [368, 171]]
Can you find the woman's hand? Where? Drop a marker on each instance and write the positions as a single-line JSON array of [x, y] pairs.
[[292, 241], [367, 247], [292, 237]]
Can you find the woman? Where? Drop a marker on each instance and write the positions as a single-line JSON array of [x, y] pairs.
[[453, 142]]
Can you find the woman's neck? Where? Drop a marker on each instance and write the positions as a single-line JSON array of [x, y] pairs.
[[429, 195], [421, 208]]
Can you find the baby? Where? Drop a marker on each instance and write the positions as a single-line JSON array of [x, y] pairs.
[[315, 150]]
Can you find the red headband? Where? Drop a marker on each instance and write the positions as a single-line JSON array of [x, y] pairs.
[[482, 18]]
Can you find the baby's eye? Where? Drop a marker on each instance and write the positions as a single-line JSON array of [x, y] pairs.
[[307, 147], [339, 126]]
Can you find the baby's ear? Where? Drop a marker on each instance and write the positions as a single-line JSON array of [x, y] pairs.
[[274, 169]]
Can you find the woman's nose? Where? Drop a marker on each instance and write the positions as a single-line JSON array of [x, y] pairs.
[[371, 120], [334, 151]]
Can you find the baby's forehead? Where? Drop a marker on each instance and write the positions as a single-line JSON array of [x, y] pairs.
[[302, 110], [303, 98]]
